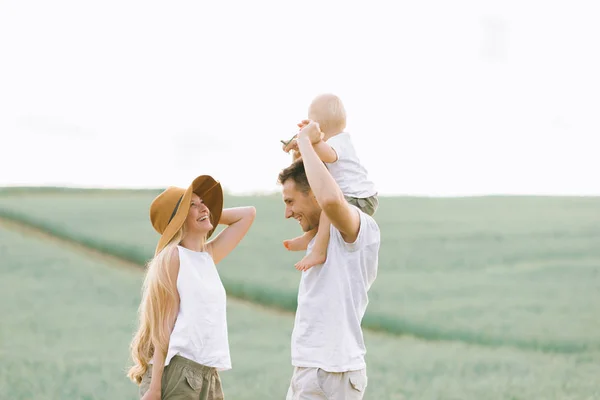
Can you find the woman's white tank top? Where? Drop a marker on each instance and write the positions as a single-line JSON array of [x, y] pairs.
[[200, 331]]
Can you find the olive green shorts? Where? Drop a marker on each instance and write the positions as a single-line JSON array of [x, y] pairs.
[[368, 205], [186, 379]]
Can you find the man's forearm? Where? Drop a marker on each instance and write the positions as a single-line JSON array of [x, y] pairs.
[[324, 187]]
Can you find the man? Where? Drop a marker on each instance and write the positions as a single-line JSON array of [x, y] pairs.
[[328, 350]]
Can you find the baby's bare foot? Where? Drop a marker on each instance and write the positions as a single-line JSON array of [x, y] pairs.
[[295, 244], [310, 260]]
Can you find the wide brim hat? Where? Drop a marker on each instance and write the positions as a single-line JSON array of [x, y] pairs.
[[169, 209]]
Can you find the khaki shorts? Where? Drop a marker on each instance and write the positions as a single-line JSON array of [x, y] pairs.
[[368, 205], [186, 379], [317, 384]]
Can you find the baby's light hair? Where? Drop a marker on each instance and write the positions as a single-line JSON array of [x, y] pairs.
[[328, 110]]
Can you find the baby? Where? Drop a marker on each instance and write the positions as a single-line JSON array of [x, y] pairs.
[[339, 155]]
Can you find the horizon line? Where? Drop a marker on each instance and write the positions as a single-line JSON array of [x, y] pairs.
[[267, 193]]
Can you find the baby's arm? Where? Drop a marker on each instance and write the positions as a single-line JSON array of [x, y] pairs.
[[325, 152]]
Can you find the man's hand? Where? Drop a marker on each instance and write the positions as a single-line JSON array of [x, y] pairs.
[[311, 130], [152, 394], [302, 124]]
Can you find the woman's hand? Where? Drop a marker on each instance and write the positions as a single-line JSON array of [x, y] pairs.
[[151, 394], [239, 220]]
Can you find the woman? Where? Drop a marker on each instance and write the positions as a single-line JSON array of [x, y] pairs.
[[182, 340]]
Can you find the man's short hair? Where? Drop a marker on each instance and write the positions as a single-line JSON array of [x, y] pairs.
[[297, 173]]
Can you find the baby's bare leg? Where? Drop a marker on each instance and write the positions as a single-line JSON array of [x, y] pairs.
[[318, 254], [301, 242]]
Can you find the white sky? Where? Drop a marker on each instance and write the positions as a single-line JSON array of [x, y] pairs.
[[443, 98]]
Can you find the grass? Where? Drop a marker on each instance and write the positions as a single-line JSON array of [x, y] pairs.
[[495, 271], [67, 319]]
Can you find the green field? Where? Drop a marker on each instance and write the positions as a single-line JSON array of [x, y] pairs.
[[67, 318], [496, 271]]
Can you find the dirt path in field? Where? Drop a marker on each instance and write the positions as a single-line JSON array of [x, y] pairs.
[[115, 261]]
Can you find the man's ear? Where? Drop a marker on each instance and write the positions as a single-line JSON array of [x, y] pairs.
[[309, 193]]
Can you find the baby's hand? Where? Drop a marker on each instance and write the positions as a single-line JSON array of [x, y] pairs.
[[291, 145]]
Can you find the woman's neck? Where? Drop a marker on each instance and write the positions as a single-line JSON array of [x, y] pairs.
[[194, 242]]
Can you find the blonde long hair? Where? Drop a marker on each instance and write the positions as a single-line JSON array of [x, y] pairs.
[[159, 296]]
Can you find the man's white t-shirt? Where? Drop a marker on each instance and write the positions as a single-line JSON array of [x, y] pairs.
[[332, 300], [350, 175]]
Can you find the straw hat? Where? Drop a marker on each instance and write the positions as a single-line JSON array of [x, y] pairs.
[[169, 209]]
